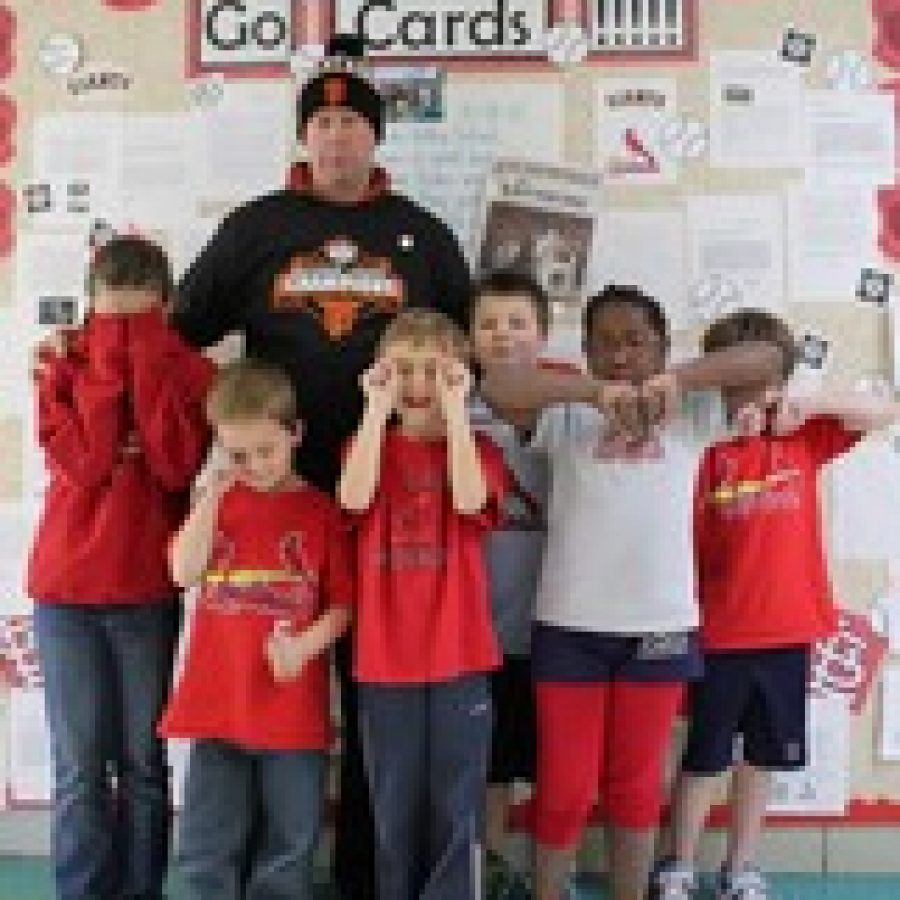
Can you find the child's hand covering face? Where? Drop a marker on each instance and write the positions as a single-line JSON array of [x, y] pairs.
[[380, 384], [454, 382], [791, 413], [634, 412], [754, 418]]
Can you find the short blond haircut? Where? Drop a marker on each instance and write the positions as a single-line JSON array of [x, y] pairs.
[[249, 389], [426, 326]]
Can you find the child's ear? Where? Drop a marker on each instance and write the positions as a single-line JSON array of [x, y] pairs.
[[297, 432]]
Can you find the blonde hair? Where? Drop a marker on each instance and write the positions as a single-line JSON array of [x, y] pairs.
[[421, 326], [248, 389]]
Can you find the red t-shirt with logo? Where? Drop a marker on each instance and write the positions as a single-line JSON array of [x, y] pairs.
[[762, 576], [279, 556], [423, 613]]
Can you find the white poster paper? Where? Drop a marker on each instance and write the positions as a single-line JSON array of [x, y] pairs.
[[831, 237], [30, 778], [865, 499], [245, 140], [823, 786], [889, 743], [646, 248], [756, 111], [159, 162], [50, 274], [849, 138], [738, 239], [76, 166]]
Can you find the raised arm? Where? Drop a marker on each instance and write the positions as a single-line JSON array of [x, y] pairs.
[[362, 466], [753, 362], [82, 411], [192, 547]]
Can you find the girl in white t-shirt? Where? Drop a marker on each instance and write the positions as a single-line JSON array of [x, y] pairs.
[[614, 642]]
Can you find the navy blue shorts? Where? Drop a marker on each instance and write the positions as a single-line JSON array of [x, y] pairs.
[[759, 694], [572, 654]]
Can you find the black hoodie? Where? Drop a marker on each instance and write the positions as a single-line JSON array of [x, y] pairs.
[[312, 284]]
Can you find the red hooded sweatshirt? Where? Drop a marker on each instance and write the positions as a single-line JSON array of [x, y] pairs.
[[121, 422]]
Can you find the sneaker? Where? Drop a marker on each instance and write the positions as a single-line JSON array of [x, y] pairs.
[[747, 884], [673, 881], [502, 882]]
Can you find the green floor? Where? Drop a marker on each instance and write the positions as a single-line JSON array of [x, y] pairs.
[[30, 879]]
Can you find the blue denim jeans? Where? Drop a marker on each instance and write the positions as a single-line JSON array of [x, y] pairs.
[[426, 748], [107, 671], [251, 822]]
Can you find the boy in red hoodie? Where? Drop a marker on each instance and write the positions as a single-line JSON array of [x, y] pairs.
[[120, 420]]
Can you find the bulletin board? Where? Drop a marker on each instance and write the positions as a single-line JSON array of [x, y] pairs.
[[747, 160]]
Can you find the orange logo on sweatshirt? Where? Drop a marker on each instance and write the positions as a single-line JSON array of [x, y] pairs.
[[339, 285]]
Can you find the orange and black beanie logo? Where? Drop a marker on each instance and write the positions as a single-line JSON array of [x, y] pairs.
[[335, 90]]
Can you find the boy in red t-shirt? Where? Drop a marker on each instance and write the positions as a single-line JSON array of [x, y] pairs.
[[271, 557], [765, 598], [425, 491], [121, 426]]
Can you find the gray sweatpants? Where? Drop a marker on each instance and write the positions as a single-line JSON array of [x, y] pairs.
[[426, 749]]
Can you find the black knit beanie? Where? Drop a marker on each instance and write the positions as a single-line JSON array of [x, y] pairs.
[[338, 86]]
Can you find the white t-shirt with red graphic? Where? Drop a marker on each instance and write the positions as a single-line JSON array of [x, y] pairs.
[[619, 557]]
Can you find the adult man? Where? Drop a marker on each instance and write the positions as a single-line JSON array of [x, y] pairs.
[[311, 275]]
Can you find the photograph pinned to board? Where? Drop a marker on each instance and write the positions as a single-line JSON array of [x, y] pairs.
[[412, 93], [540, 219], [632, 114], [62, 202]]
